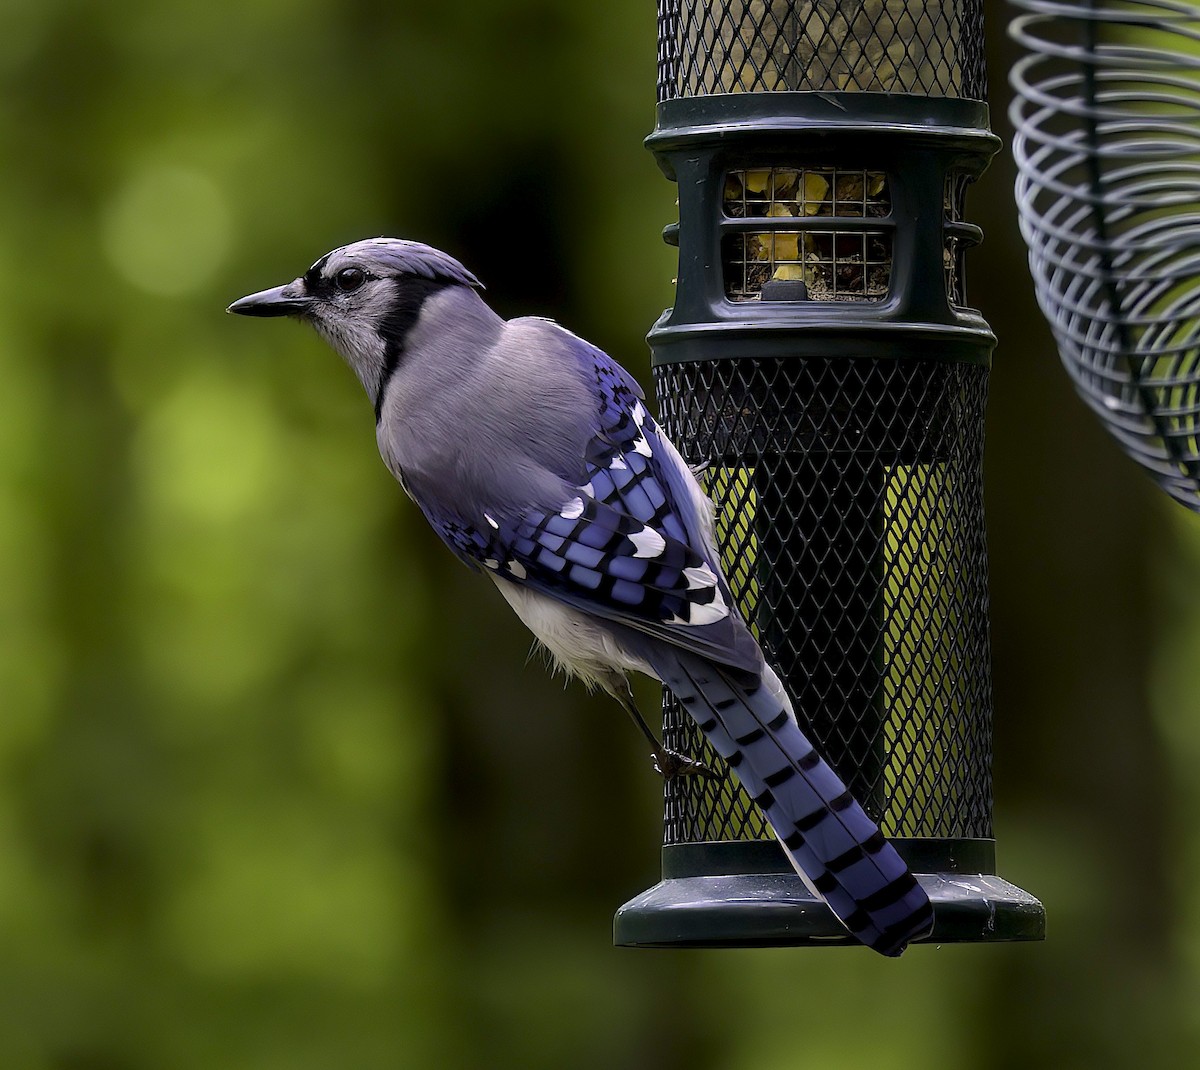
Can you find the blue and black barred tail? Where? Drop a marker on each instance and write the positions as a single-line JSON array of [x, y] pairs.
[[836, 848]]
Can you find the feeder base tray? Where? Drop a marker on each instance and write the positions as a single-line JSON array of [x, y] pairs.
[[769, 906]]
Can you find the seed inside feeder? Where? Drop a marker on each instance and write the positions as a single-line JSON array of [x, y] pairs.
[[835, 265]]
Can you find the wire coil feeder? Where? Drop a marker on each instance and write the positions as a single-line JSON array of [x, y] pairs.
[[1107, 147]]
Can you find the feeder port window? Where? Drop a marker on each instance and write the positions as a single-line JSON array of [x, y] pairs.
[[958, 238], [853, 263]]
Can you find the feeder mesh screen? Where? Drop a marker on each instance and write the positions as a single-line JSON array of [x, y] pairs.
[[849, 514], [929, 47]]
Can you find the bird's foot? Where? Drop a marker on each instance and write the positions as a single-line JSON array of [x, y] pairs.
[[668, 764]]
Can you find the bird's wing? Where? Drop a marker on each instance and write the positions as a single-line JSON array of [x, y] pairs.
[[609, 564], [626, 544]]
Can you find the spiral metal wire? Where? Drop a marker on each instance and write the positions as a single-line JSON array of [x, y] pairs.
[[1107, 115]]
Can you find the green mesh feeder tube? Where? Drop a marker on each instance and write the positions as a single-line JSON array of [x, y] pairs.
[[822, 365]]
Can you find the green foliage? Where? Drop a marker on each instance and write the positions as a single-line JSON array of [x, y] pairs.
[[276, 788]]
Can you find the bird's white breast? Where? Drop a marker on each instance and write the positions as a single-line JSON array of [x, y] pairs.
[[581, 645]]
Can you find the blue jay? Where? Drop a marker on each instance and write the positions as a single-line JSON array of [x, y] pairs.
[[534, 458]]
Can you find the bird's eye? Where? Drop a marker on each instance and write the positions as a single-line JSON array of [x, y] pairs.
[[349, 279]]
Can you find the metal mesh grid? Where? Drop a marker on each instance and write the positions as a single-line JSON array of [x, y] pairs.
[[835, 264], [929, 47], [850, 524], [1108, 155]]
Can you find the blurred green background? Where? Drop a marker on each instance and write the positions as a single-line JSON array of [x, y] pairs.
[[277, 786]]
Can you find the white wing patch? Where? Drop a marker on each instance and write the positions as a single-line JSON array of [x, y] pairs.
[[649, 543], [703, 614], [573, 510], [700, 577]]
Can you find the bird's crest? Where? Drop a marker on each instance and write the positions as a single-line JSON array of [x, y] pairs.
[[382, 257]]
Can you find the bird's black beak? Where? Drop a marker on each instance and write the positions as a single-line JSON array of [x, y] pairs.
[[289, 300]]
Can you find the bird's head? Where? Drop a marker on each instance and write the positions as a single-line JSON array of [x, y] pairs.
[[364, 299]]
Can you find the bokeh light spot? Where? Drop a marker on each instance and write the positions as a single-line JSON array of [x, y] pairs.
[[167, 231], [209, 453]]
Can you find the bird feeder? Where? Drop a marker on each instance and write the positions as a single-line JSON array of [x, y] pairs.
[[822, 366], [1108, 189]]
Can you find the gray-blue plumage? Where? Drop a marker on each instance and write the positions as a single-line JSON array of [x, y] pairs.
[[533, 456]]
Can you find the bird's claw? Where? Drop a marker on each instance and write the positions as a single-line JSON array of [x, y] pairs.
[[668, 764]]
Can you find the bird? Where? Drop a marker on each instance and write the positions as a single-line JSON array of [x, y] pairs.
[[534, 457]]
